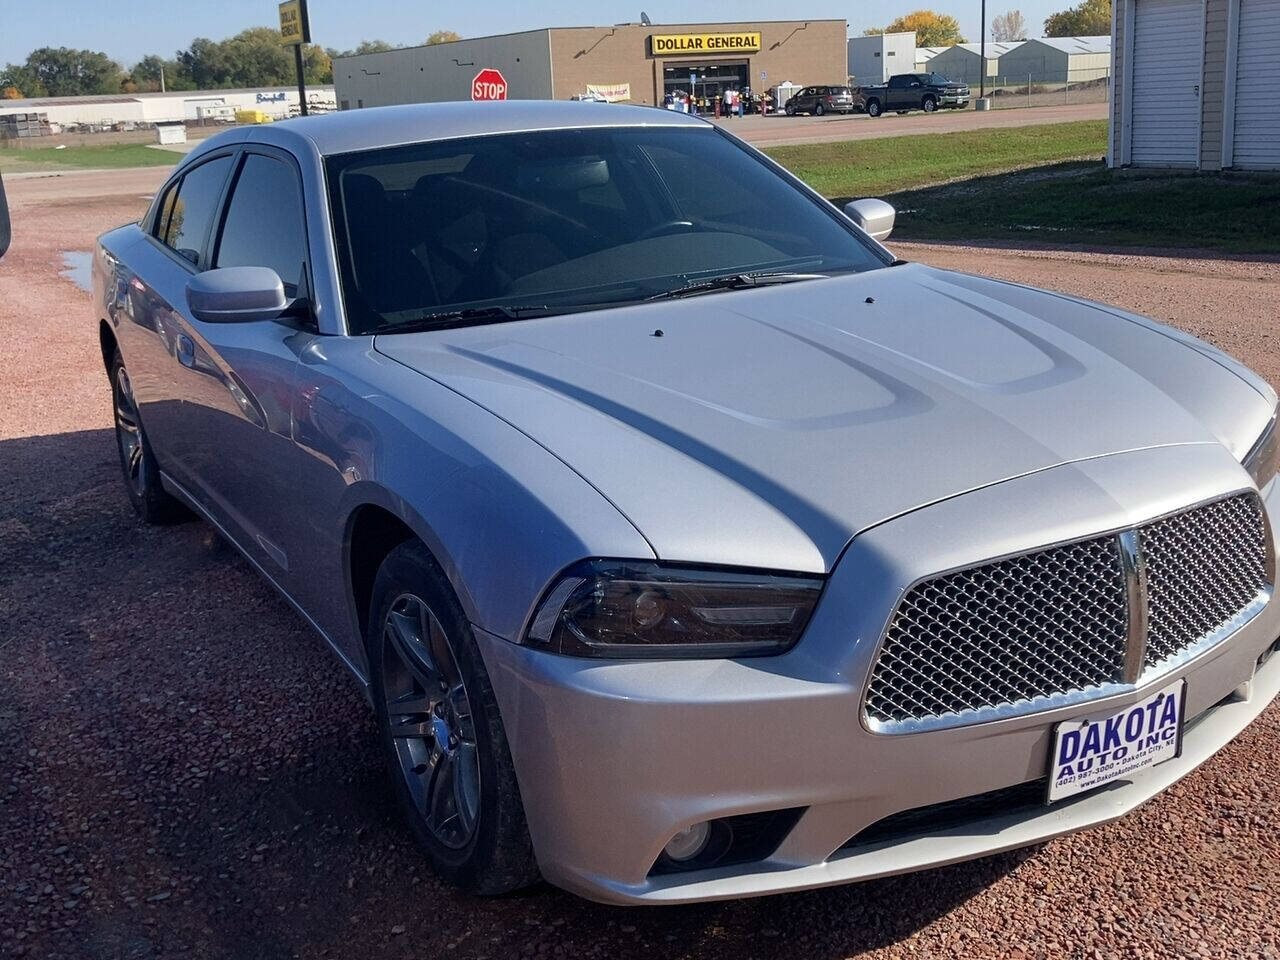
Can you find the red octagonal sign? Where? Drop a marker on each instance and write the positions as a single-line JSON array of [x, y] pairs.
[[489, 84]]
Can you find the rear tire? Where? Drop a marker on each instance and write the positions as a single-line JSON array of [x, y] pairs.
[[819, 110], [873, 108], [441, 731], [138, 465], [789, 110]]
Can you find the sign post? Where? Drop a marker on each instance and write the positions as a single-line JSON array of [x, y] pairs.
[[295, 30]]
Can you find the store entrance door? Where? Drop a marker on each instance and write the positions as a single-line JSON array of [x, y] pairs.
[[714, 79]]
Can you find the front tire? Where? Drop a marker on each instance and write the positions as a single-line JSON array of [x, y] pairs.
[[441, 731], [137, 461], [819, 110], [929, 105]]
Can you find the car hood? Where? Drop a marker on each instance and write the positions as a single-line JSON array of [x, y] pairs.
[[767, 427]]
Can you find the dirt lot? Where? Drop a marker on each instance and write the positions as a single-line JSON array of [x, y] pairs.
[[184, 772]]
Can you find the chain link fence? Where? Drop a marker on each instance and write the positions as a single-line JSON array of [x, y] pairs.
[[1049, 89]]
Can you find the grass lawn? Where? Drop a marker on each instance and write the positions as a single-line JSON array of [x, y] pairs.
[[1085, 204], [873, 168], [15, 160]]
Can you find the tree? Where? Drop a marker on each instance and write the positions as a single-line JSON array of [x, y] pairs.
[[17, 77], [63, 72], [365, 46], [931, 29], [1009, 27], [10, 93], [1092, 18], [443, 36]]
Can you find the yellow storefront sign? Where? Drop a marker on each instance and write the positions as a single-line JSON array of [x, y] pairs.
[[292, 29], [662, 45]]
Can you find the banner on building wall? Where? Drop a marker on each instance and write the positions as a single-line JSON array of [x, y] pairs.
[[613, 92], [680, 43]]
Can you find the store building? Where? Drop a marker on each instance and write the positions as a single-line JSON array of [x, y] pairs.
[[632, 62], [876, 58], [1194, 84]]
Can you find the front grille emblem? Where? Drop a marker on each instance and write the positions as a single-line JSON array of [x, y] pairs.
[[1135, 576]]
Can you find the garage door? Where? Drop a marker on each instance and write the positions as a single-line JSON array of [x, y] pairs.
[[1256, 144], [1168, 40]]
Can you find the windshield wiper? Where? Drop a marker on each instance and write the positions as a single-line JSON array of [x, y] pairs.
[[465, 317], [734, 281]]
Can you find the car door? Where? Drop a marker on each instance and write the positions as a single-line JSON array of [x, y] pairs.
[[150, 316], [237, 379]]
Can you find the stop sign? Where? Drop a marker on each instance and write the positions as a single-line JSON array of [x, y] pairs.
[[489, 84]]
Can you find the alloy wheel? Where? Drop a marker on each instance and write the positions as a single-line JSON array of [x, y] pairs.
[[429, 717], [129, 433]]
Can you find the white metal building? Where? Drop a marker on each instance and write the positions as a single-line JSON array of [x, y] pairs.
[[1058, 60], [924, 55], [962, 62], [1195, 84], [875, 59], [146, 108]]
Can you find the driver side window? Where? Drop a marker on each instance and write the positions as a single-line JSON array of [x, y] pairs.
[[264, 225]]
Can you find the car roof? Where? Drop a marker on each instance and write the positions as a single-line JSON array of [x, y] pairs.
[[350, 130]]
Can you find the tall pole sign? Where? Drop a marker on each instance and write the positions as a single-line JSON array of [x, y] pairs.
[[295, 30]]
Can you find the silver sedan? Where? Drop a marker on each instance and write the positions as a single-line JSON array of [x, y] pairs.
[[686, 543]]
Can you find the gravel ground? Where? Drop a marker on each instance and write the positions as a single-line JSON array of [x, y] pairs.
[[185, 772]]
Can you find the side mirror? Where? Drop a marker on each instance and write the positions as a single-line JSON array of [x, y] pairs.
[[4, 220], [874, 216], [236, 295]]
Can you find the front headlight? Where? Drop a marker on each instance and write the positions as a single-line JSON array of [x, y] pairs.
[[638, 609], [1263, 459]]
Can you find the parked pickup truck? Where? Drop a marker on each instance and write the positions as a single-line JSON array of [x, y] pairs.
[[915, 91]]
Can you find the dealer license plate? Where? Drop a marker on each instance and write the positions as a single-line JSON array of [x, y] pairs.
[[1090, 753]]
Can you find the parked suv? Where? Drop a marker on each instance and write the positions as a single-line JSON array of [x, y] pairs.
[[821, 100], [915, 91]]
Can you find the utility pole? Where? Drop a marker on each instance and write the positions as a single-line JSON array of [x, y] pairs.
[[982, 55], [162, 78]]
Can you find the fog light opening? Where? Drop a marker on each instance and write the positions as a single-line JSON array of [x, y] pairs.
[[687, 844]]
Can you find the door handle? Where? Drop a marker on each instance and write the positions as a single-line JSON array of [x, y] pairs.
[[186, 351]]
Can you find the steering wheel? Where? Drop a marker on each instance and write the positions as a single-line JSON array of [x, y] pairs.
[[668, 227]]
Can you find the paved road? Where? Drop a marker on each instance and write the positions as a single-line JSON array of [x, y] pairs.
[[185, 772], [777, 130]]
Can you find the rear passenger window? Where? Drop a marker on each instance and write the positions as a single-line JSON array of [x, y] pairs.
[[264, 224], [189, 209]]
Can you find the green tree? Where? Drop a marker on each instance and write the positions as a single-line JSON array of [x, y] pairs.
[[1092, 18], [443, 36], [931, 29], [16, 76], [63, 72], [367, 46]]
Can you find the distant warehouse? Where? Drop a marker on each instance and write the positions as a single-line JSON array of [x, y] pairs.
[[636, 62], [1195, 84]]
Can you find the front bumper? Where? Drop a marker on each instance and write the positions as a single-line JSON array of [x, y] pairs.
[[614, 757], [953, 101]]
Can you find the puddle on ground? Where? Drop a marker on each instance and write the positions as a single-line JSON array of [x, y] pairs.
[[76, 266]]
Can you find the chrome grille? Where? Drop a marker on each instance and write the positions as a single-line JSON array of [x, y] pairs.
[[1203, 567], [1012, 636]]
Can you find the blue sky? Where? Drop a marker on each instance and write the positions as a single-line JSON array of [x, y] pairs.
[[129, 29]]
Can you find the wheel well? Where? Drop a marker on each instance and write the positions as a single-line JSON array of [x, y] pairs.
[[374, 533], [107, 340]]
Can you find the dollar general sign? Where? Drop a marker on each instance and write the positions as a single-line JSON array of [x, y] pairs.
[[680, 43], [293, 22]]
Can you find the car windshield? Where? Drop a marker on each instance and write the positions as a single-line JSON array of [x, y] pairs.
[[841, 91], [937, 78], [493, 228]]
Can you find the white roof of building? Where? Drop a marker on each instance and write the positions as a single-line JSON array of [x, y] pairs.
[[995, 49], [1077, 44], [928, 53]]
